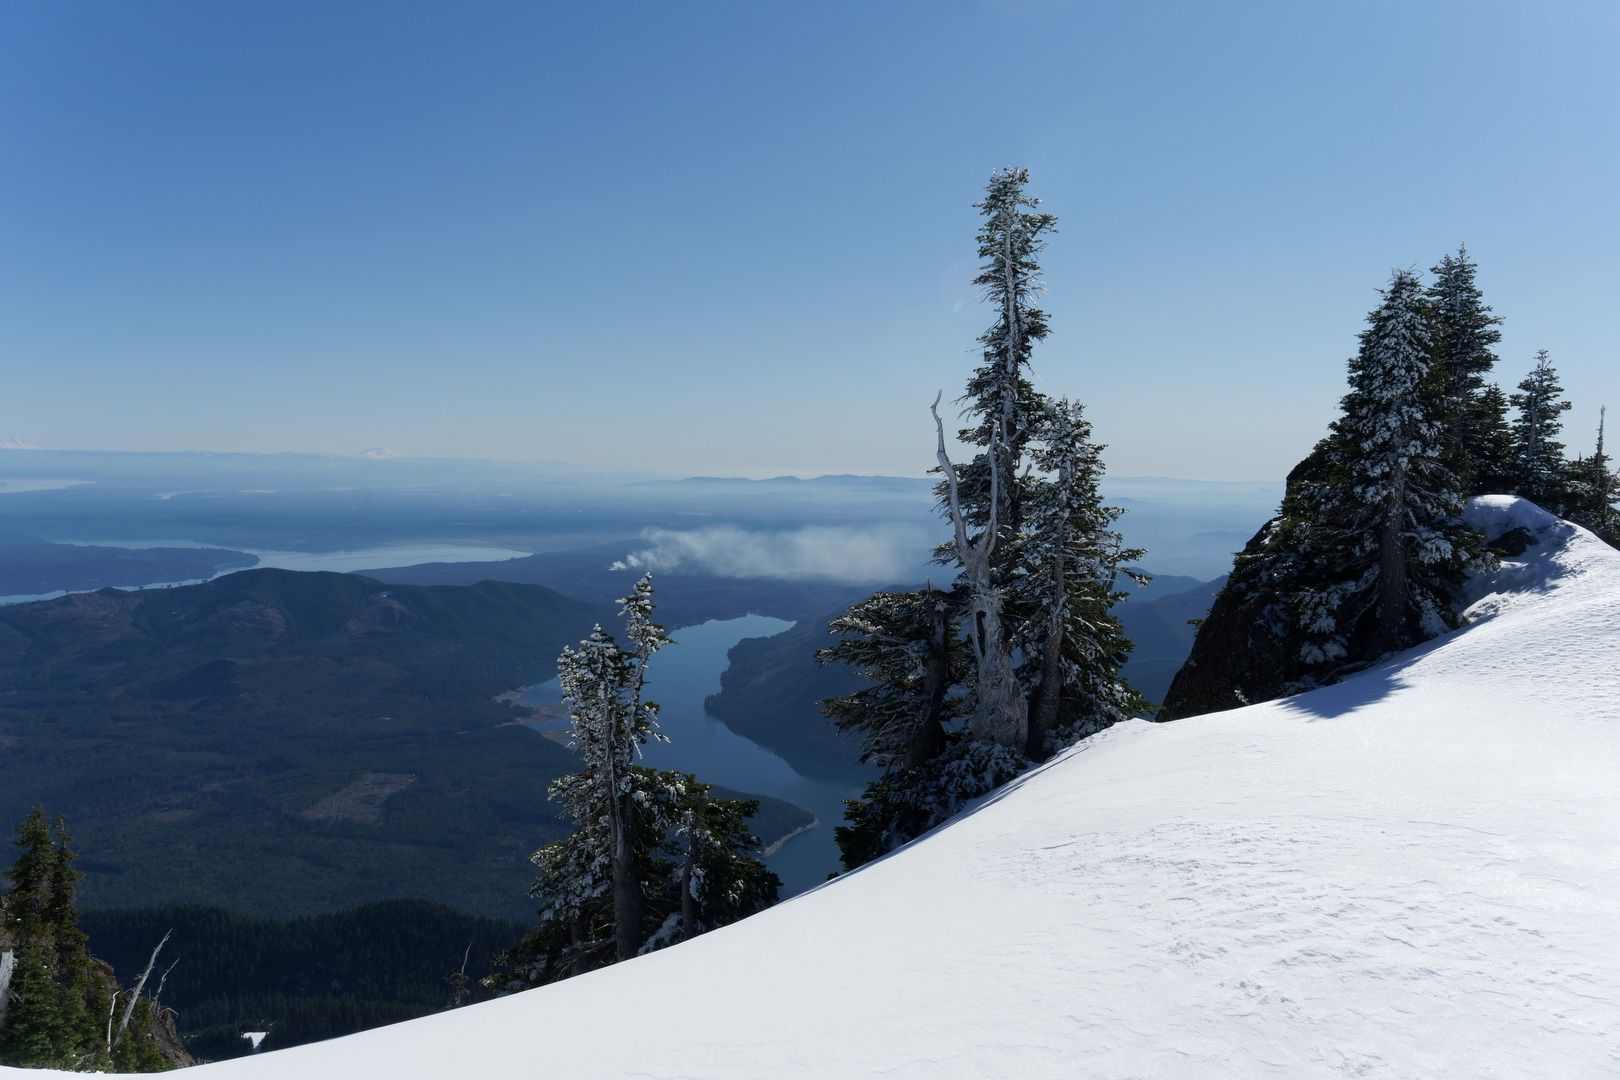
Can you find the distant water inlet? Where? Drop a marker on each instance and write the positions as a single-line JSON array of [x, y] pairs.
[[341, 561], [680, 678]]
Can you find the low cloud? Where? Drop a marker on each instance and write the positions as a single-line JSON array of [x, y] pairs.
[[856, 555]]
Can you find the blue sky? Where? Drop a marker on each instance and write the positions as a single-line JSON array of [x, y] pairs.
[[736, 238]]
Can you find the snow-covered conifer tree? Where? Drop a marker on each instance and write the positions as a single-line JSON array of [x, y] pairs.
[[1463, 335], [909, 647], [1036, 560], [1383, 534], [1072, 644], [1539, 457], [1490, 441], [1001, 403], [615, 887], [602, 686], [984, 497], [1594, 490]]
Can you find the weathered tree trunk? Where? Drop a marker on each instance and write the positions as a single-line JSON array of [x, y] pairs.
[[112, 1010], [929, 739], [460, 985], [1050, 697], [1001, 711], [8, 965], [688, 901], [626, 888]]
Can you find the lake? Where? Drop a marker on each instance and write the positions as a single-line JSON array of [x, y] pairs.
[[679, 679]]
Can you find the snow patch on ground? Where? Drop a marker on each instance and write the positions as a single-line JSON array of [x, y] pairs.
[[1412, 873]]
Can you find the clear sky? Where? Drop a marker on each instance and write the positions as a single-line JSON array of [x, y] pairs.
[[737, 238]]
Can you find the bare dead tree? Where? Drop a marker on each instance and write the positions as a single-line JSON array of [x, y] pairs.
[[112, 1010], [458, 981], [135, 994], [1001, 710]]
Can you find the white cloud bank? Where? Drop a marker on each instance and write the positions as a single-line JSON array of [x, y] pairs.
[[858, 555]]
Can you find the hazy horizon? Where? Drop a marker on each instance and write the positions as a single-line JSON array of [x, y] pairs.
[[20, 456]]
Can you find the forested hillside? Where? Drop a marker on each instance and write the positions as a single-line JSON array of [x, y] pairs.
[[301, 980], [284, 743]]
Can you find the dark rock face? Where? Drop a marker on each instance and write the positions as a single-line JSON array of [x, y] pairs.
[[1247, 648], [1513, 543]]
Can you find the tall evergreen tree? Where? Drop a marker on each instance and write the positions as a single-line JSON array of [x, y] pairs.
[[1037, 563], [603, 686], [1383, 533], [1490, 440], [613, 887], [37, 1031], [1074, 560], [1594, 490], [1462, 338], [58, 997], [33, 1035], [30, 903], [1002, 405], [985, 497], [1539, 457]]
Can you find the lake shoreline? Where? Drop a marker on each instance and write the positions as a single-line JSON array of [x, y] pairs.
[[772, 849]]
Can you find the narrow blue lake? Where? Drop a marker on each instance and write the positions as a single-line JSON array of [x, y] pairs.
[[680, 678]]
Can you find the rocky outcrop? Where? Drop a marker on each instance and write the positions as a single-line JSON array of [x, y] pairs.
[[1247, 648]]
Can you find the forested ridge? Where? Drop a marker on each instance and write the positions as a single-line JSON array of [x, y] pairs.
[[285, 743], [305, 979]]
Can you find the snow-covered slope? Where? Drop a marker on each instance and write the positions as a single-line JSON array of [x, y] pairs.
[[1414, 873]]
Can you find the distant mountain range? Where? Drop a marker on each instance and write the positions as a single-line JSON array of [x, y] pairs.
[[683, 599]]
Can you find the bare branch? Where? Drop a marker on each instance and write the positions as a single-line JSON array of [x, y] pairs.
[[953, 484], [157, 995], [140, 984]]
